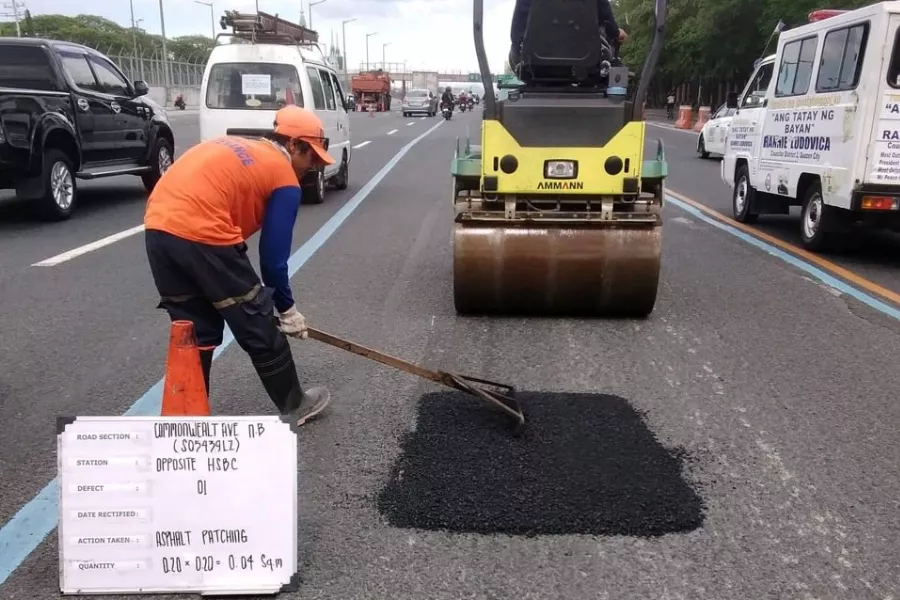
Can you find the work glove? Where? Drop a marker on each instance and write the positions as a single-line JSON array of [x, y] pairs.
[[292, 323]]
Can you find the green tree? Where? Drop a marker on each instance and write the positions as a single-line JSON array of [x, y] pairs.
[[110, 37], [712, 40]]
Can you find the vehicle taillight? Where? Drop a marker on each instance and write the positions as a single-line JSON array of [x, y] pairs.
[[880, 203], [821, 15]]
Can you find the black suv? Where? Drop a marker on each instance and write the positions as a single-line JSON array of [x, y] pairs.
[[67, 112]]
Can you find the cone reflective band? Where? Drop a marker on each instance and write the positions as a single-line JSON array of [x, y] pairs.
[[560, 169]]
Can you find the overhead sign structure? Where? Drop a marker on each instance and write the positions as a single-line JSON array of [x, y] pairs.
[[202, 505]]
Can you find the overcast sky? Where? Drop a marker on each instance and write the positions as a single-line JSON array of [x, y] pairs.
[[427, 34]]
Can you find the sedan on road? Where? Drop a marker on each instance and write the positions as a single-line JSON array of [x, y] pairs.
[[420, 102], [714, 132]]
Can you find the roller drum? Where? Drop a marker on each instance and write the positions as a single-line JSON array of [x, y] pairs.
[[567, 271]]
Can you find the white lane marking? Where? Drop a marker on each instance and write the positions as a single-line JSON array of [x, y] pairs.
[[392, 132], [110, 239], [411, 123], [366, 143]]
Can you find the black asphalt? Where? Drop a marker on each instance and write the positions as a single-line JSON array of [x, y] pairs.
[[752, 418]]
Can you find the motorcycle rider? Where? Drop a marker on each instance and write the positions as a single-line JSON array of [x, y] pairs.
[[447, 98], [520, 18]]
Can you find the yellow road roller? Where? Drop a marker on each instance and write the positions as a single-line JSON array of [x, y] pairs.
[[557, 212]]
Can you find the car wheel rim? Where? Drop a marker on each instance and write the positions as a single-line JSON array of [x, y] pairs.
[[813, 217], [164, 160], [62, 186], [740, 195]]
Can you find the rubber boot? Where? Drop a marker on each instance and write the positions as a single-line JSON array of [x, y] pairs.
[[206, 357], [278, 375]]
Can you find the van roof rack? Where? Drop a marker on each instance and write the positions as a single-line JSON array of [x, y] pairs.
[[263, 28]]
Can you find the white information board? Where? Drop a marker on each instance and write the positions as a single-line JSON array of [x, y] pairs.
[[256, 84], [202, 505]]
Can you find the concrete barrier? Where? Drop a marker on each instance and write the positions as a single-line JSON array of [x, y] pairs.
[[684, 117], [702, 117]]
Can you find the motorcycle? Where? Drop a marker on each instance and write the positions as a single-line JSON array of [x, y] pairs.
[[446, 111], [471, 104], [463, 105], [179, 102]]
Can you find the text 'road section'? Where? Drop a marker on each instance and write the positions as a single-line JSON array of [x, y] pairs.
[[177, 504]]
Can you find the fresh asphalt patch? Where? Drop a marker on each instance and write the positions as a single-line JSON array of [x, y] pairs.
[[586, 464]]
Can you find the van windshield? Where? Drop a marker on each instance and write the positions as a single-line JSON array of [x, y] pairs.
[[253, 86]]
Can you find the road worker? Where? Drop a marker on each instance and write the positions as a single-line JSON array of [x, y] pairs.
[[198, 218]]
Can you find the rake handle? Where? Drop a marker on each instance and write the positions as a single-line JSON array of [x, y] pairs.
[[381, 357]]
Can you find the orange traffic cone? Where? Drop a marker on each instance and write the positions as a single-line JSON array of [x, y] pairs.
[[184, 391]]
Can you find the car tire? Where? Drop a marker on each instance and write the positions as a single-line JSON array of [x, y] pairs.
[[818, 221], [342, 179], [160, 160], [742, 197], [60, 188], [701, 147], [314, 191]]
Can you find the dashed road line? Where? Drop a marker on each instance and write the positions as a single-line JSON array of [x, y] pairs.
[[392, 132], [76, 252], [361, 144]]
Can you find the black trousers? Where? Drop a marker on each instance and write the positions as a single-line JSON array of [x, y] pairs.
[[211, 286], [214, 285]]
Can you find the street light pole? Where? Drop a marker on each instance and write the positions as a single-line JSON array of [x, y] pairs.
[[212, 15], [134, 42], [368, 35], [344, 41], [15, 5], [133, 28], [383, 54], [162, 23], [311, 4]]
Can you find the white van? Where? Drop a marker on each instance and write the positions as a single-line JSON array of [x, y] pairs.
[[246, 82], [818, 126]]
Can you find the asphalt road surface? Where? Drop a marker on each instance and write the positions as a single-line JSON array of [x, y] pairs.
[[739, 443]]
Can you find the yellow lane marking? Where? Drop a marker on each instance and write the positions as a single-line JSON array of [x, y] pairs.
[[815, 259]]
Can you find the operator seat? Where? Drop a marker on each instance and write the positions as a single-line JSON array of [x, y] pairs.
[[563, 44], [568, 74]]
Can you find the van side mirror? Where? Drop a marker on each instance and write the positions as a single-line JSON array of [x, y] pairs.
[[731, 100], [141, 88]]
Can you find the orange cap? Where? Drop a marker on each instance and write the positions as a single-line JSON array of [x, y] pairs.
[[302, 123]]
